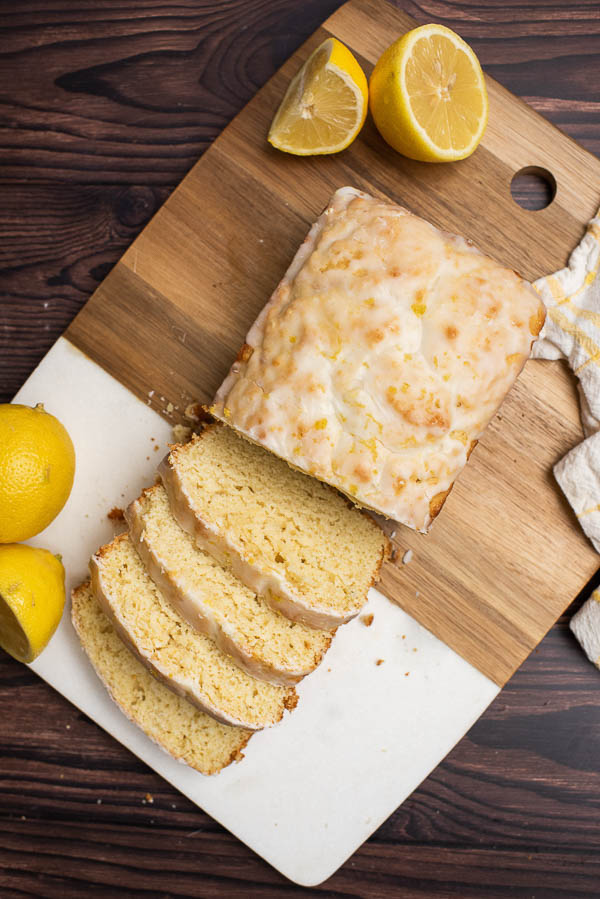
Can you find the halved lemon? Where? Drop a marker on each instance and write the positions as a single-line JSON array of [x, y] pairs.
[[32, 599], [428, 95], [325, 105]]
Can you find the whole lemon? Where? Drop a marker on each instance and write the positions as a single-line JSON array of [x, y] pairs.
[[32, 599], [37, 467]]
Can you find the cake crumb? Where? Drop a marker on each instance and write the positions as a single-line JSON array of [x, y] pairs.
[[181, 434], [156, 447], [98, 802], [406, 673], [407, 557], [404, 636], [149, 798], [379, 662], [194, 412], [116, 514], [367, 620], [170, 408]]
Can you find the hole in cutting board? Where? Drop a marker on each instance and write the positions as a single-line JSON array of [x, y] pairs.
[[533, 188]]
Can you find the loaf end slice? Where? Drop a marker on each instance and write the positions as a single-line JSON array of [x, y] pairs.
[[176, 726]]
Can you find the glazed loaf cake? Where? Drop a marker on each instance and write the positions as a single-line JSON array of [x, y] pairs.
[[188, 662], [261, 641], [381, 356], [178, 727], [286, 536]]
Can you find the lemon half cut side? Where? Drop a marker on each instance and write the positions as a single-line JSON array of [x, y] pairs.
[[32, 599], [428, 96]]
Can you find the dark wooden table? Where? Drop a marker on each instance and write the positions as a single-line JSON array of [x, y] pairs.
[[104, 106]]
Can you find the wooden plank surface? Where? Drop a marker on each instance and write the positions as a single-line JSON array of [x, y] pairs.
[[506, 556], [513, 811]]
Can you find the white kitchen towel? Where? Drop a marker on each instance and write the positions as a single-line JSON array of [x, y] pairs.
[[572, 331], [586, 627]]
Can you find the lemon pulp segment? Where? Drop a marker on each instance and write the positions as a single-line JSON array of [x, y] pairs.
[[445, 92]]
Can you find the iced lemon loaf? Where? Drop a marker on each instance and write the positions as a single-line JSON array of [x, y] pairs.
[[188, 662], [262, 641], [287, 536], [381, 356], [178, 727]]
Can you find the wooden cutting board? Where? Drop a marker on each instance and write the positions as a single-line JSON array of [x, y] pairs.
[[506, 555]]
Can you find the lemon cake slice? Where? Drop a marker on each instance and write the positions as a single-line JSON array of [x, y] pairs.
[[262, 641], [188, 662], [288, 537], [180, 729]]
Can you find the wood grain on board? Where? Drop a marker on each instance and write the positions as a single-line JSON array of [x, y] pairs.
[[506, 556]]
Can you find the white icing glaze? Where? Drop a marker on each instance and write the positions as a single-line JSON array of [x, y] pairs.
[[277, 592], [381, 356], [191, 605]]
